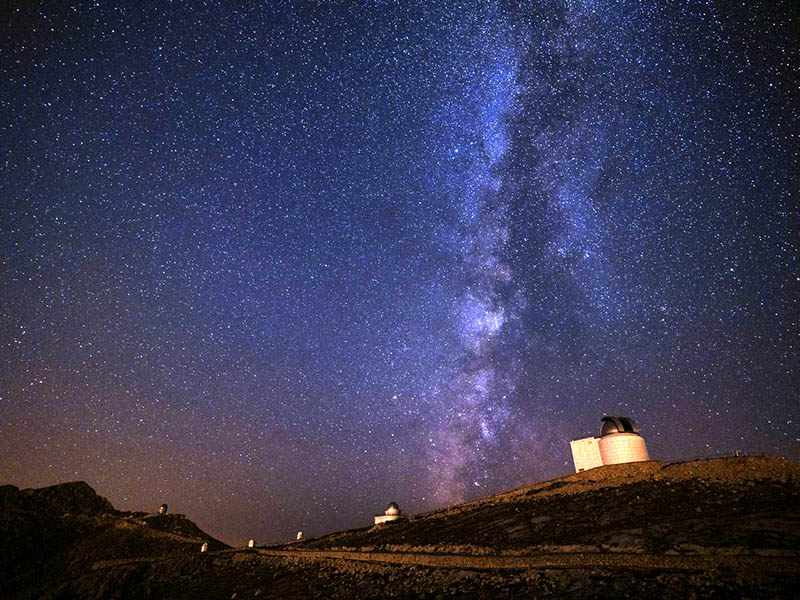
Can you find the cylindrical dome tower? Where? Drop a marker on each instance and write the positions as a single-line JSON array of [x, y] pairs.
[[621, 442], [392, 513]]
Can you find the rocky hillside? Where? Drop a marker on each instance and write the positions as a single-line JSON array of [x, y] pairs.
[[716, 528], [50, 536], [729, 505]]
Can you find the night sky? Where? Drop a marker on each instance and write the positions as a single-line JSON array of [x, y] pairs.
[[276, 266]]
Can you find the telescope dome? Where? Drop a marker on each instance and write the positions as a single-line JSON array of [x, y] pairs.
[[612, 425]]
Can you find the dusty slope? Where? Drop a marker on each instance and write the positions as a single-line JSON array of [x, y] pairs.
[[737, 505]]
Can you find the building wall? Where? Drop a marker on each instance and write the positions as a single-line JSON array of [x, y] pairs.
[[622, 448], [586, 454], [384, 518]]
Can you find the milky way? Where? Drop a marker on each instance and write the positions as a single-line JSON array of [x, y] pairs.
[[470, 398], [278, 265]]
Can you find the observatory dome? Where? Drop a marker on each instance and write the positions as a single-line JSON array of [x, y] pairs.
[[392, 513], [620, 441], [612, 425]]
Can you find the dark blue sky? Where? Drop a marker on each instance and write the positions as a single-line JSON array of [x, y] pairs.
[[280, 265]]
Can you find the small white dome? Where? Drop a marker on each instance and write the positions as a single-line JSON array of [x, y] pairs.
[[393, 509]]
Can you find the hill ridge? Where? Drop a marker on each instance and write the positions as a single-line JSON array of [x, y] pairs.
[[532, 515], [715, 527]]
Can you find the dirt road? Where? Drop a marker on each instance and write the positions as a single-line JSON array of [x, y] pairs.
[[763, 564]]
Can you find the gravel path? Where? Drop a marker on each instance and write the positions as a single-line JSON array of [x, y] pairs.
[[582, 560]]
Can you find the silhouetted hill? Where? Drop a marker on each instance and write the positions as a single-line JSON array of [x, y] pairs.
[[714, 528], [50, 536], [76, 498]]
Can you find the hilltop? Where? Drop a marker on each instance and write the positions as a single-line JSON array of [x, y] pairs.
[[696, 506], [722, 527], [50, 537]]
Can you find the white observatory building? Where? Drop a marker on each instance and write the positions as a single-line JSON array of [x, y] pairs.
[[392, 513], [620, 441]]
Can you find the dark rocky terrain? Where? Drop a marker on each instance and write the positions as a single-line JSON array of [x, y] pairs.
[[714, 528], [50, 536]]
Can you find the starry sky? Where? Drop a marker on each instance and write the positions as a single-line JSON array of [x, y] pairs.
[[277, 264]]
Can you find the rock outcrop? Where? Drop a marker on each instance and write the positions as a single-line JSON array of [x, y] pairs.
[[50, 537]]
